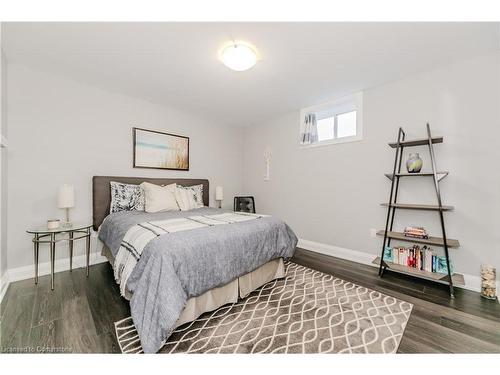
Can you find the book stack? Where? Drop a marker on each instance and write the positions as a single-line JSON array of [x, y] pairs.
[[422, 259], [415, 232]]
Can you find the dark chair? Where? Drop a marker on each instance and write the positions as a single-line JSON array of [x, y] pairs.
[[244, 204]]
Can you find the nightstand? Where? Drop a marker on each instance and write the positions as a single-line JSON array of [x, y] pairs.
[[52, 236]]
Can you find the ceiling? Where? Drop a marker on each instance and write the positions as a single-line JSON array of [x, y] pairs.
[[302, 64]]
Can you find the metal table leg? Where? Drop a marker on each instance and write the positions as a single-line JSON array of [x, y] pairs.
[[35, 256], [87, 242], [70, 251], [52, 258]]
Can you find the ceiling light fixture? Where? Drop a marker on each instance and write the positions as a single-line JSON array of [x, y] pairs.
[[238, 56]]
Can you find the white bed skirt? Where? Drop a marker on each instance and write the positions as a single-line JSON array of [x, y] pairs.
[[229, 293]]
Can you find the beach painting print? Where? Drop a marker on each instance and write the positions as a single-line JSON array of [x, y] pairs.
[[154, 149]]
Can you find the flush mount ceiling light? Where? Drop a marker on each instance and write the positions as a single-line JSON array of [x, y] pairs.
[[238, 56]]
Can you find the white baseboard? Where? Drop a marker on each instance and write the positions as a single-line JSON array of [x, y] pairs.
[[336, 251], [22, 273], [471, 282], [4, 284], [27, 272]]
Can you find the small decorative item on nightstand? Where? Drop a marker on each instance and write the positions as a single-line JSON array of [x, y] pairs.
[[244, 204], [53, 224], [66, 200]]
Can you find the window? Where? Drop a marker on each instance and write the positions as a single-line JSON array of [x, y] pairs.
[[326, 128], [337, 121], [337, 126]]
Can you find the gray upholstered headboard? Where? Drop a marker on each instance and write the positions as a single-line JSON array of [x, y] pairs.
[[101, 192]]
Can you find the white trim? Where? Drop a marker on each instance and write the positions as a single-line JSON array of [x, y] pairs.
[[4, 284], [22, 273], [472, 282], [336, 251], [27, 272], [335, 141]]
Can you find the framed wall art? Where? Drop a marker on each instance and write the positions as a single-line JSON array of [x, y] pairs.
[[159, 150]]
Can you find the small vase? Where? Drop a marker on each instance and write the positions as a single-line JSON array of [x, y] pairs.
[[488, 282], [414, 163]]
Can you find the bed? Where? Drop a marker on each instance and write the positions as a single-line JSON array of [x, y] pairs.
[[179, 276]]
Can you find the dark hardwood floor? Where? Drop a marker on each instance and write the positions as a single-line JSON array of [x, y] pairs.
[[78, 315]]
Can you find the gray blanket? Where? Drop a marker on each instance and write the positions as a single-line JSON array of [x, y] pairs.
[[177, 266]]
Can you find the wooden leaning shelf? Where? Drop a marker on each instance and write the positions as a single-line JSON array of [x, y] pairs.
[[393, 205], [458, 279], [436, 241]]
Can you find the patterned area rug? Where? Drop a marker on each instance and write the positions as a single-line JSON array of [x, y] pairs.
[[306, 312]]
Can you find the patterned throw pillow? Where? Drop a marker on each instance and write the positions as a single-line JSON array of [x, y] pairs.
[[185, 199], [197, 191], [126, 197]]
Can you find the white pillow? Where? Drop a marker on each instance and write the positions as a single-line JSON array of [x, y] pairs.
[[185, 199], [159, 198]]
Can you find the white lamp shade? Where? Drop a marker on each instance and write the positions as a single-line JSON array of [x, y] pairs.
[[66, 196], [238, 56], [219, 193]]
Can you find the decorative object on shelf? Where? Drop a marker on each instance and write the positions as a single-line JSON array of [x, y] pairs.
[[488, 282], [418, 268], [219, 195], [158, 150], [267, 158], [53, 224], [414, 163], [66, 200], [244, 204], [415, 232]]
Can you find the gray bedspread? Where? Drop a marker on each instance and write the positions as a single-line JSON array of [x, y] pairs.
[[177, 266]]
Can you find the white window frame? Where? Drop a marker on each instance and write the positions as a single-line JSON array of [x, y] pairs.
[[333, 108]]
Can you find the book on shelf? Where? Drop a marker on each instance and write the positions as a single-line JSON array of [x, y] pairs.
[[415, 232], [422, 259], [428, 260]]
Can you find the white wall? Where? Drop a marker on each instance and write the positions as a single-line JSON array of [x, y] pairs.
[[331, 194], [62, 131], [3, 165]]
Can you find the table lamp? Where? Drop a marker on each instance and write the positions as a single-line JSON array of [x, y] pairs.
[[66, 200], [219, 195]]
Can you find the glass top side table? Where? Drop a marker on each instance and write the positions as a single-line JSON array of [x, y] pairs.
[[52, 236]]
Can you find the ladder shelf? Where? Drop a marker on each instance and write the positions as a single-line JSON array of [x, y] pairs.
[[388, 233]]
